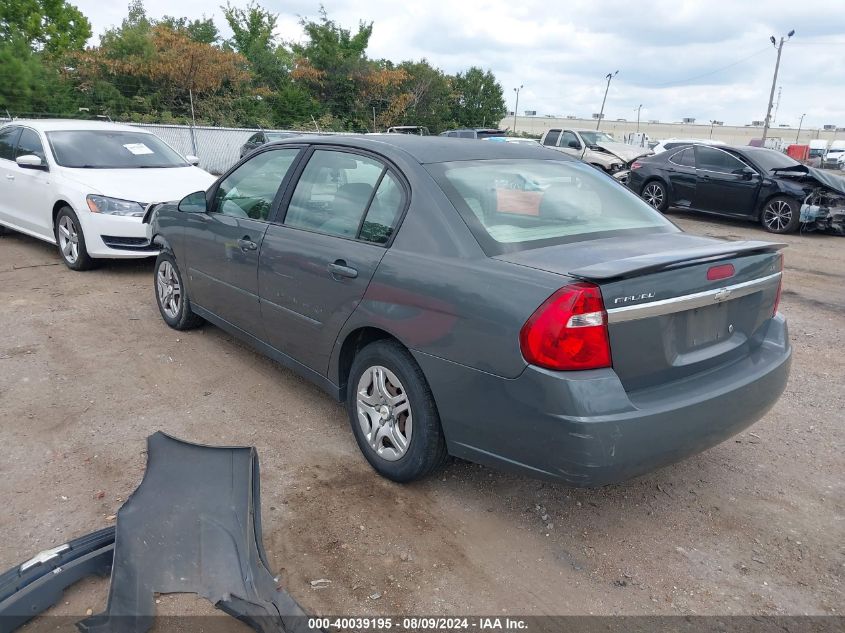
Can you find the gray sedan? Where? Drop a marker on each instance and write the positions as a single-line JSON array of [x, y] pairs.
[[501, 303]]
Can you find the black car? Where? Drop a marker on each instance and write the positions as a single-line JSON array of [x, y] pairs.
[[261, 138], [759, 184]]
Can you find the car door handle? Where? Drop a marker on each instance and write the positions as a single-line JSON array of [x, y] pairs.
[[247, 244], [340, 269], [10, 177]]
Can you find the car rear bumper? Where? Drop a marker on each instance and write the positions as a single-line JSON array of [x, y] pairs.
[[584, 429], [117, 237]]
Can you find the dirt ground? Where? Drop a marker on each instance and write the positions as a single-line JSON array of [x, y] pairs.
[[88, 370]]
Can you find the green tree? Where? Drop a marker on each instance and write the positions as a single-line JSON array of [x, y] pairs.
[[252, 37], [203, 31], [52, 26], [29, 84], [478, 99], [430, 93]]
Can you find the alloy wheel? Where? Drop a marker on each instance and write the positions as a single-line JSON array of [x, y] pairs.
[[653, 194], [384, 412], [777, 215], [169, 289], [68, 239]]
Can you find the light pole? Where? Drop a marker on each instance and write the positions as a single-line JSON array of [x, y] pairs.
[[800, 123], [608, 76], [638, 108], [516, 106], [774, 81]]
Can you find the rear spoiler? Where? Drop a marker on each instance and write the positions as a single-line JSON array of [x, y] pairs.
[[665, 260]]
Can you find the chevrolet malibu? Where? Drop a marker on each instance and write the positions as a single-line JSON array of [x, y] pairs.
[[84, 185], [498, 302]]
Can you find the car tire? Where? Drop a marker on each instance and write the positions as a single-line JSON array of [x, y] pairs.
[[172, 299], [71, 241], [781, 214], [655, 194], [397, 426]]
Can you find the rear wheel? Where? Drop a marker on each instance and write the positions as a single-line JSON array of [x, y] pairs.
[[71, 241], [781, 215], [393, 414], [655, 194], [171, 295]]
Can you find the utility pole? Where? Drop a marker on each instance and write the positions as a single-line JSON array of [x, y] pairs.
[[779, 47], [374, 119], [608, 76], [712, 123], [516, 106], [193, 121], [800, 123], [638, 108], [777, 107]]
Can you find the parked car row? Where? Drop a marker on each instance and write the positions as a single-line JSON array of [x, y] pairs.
[[452, 293], [754, 183]]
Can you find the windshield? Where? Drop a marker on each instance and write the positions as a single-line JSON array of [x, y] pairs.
[[769, 159], [513, 205], [112, 149], [594, 138]]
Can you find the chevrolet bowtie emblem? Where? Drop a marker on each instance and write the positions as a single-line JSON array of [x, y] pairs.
[[722, 295]]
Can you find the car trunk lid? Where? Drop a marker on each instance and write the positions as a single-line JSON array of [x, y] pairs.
[[677, 304]]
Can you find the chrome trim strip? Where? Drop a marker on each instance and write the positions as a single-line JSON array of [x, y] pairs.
[[689, 302]]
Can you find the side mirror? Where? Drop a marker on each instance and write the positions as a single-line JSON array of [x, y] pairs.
[[193, 203], [596, 148], [745, 173], [30, 161], [193, 160], [574, 144]]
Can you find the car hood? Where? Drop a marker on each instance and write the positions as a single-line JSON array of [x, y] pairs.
[[824, 178], [624, 151], [142, 185]]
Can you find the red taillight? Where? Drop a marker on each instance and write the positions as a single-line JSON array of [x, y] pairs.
[[569, 331], [780, 287], [636, 165], [722, 271]]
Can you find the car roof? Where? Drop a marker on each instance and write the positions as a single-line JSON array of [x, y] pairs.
[[51, 125], [433, 149]]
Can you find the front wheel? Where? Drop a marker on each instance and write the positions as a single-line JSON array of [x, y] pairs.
[[171, 295], [71, 241], [781, 215], [393, 414], [655, 194]]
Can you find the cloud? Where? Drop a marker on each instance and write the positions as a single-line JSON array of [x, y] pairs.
[[709, 60]]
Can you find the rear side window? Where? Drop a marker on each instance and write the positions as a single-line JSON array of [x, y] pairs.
[[716, 160], [551, 138], [29, 143], [512, 205], [333, 193], [684, 158], [8, 140], [381, 218]]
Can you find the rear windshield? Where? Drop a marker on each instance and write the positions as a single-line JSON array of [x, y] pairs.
[[513, 205], [111, 149]]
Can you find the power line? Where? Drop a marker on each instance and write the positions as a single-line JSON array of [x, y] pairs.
[[711, 72]]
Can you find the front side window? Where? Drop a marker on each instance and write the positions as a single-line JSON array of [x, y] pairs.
[[513, 205], [30, 144], [711, 159], [333, 193], [249, 191], [8, 140], [112, 149], [568, 139]]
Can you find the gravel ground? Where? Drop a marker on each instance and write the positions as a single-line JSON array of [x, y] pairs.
[[88, 370]]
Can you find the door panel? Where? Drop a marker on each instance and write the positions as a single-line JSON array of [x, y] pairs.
[[720, 185], [316, 265], [223, 245], [30, 202], [8, 171], [680, 169]]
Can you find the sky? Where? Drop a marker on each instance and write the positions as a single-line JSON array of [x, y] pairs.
[[707, 59]]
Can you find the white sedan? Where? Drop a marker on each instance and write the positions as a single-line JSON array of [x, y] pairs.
[[84, 185]]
